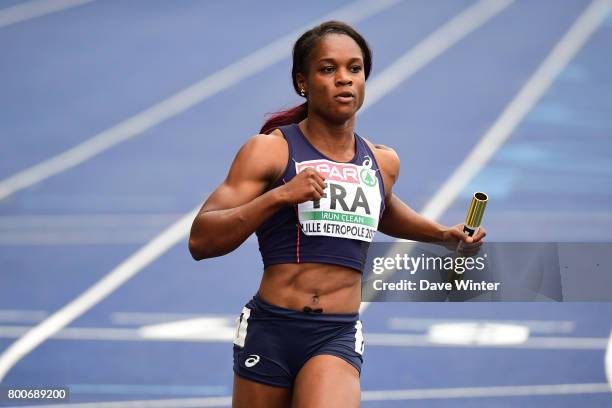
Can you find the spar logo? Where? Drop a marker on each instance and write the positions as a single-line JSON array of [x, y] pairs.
[[344, 172]]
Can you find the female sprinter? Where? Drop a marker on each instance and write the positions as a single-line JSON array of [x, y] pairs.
[[314, 192]]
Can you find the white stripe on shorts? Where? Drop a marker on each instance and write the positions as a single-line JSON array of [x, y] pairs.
[[359, 343], [241, 329]]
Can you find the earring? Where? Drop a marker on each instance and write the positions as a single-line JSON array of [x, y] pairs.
[[302, 92]]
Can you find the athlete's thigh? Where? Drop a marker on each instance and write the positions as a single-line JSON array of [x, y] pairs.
[[326, 381], [250, 394]]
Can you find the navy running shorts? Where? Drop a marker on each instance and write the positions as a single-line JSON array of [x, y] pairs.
[[272, 343]]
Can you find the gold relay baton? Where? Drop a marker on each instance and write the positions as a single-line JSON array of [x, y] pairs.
[[475, 212], [474, 216]]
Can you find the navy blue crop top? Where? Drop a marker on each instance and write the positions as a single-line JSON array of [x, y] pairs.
[[336, 229]]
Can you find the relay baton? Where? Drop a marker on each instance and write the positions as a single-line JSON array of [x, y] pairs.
[[475, 212], [473, 219]]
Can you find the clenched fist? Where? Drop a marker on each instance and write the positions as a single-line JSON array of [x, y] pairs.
[[305, 186]]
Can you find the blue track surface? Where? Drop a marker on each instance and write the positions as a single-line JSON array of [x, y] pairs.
[[69, 75]]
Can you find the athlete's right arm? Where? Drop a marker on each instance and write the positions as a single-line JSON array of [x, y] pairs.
[[241, 203]]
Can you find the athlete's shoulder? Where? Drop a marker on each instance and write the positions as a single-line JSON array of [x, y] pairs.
[[265, 145], [274, 138], [263, 155]]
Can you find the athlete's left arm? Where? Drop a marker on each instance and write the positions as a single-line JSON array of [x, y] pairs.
[[401, 221]]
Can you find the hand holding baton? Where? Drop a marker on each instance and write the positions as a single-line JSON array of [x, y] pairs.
[[474, 216]]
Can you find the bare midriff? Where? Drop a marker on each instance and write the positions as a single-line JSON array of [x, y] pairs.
[[312, 287]]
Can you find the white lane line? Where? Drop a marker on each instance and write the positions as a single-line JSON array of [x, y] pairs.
[[22, 316], [36, 8], [565, 50], [382, 395], [207, 330], [199, 329], [573, 40], [608, 361], [115, 278], [181, 101], [79, 220], [484, 392], [431, 47], [78, 333], [82, 229], [394, 323], [550, 343], [159, 403], [121, 236], [164, 390], [129, 318], [539, 326], [223, 79]]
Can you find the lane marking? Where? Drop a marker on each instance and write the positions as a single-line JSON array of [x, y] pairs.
[[394, 323], [36, 8], [144, 318], [181, 101], [82, 229], [382, 395], [177, 232], [80, 220], [149, 389], [105, 286], [24, 316], [216, 331], [78, 238], [608, 361], [551, 343], [202, 328], [471, 333], [577, 36], [537, 326], [160, 403], [484, 392], [78, 333], [431, 47], [563, 52]]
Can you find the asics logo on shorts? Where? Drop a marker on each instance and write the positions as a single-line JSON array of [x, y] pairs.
[[252, 360]]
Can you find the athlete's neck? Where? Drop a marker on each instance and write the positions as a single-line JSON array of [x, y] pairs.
[[334, 140]]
